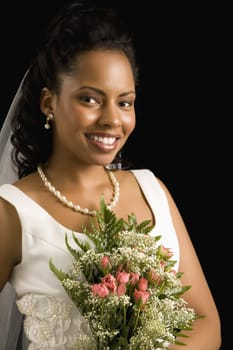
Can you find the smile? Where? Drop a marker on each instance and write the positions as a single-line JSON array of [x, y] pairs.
[[105, 140]]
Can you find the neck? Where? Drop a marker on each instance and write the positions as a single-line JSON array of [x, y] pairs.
[[79, 175]]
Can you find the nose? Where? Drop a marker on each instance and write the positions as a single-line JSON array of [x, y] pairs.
[[110, 115]]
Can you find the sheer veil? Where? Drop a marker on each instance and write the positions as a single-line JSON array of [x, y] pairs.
[[11, 334], [7, 172]]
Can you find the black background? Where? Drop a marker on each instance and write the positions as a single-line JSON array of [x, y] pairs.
[[182, 132]]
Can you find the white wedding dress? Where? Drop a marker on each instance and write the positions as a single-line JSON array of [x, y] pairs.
[[51, 321]]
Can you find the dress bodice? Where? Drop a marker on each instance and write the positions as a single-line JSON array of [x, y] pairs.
[[51, 319]]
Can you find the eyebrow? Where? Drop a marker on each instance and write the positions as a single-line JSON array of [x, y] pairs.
[[101, 92]]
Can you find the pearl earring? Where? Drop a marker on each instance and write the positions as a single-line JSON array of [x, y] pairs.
[[48, 118]]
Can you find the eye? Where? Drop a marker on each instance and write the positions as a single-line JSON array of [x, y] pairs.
[[126, 104], [89, 99]]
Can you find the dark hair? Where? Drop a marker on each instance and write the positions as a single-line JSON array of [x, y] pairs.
[[78, 27]]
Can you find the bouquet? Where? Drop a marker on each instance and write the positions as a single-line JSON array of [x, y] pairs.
[[125, 286]]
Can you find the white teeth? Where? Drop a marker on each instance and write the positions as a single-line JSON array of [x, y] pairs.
[[104, 140]]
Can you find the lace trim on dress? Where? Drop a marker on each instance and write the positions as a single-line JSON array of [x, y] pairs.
[[50, 323]]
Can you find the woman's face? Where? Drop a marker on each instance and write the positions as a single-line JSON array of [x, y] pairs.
[[94, 113]]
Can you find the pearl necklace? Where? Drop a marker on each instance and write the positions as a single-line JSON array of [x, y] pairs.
[[76, 207]]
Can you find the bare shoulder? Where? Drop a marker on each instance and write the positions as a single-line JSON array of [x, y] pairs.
[[10, 238], [28, 183], [8, 217], [10, 233], [7, 212]]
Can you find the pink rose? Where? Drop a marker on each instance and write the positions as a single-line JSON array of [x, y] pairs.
[[121, 289], [122, 277], [142, 284], [100, 289], [139, 295], [110, 282], [104, 261]]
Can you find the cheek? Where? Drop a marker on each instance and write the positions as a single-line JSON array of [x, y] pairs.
[[80, 117], [129, 123]]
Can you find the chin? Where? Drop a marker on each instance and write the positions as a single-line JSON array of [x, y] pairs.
[[105, 160]]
